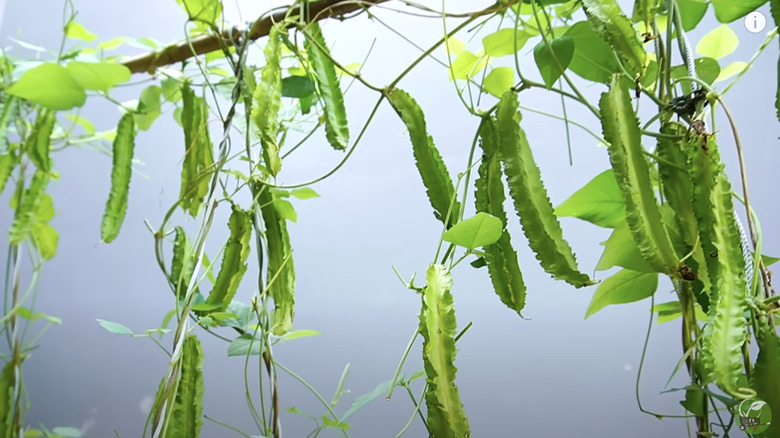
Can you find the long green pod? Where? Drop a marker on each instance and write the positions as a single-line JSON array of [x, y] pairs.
[[7, 115], [198, 151], [336, 129], [678, 188], [187, 416], [621, 130], [765, 379], [233, 260], [267, 100], [722, 355], [489, 197], [183, 263], [24, 217], [38, 144], [446, 417], [436, 178], [704, 166], [116, 206], [7, 163], [541, 226], [615, 28], [281, 270], [7, 385]]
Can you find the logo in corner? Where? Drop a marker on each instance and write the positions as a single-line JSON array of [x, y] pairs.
[[754, 415]]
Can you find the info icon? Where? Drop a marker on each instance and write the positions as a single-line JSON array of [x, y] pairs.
[[755, 416], [755, 22]]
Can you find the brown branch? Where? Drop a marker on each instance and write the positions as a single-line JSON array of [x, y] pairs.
[[319, 10]]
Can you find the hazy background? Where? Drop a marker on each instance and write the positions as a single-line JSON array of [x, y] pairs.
[[554, 375]]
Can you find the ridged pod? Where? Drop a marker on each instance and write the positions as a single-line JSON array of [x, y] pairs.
[[678, 188], [7, 115], [7, 163], [765, 379], [39, 142], [615, 28], [336, 129], [24, 218], [501, 257], [436, 178], [621, 130], [267, 101], [233, 260], [116, 206], [541, 226], [187, 416], [726, 330], [281, 269], [183, 263], [7, 385], [446, 417], [198, 151]]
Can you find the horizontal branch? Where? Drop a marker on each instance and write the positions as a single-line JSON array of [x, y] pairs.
[[319, 10]]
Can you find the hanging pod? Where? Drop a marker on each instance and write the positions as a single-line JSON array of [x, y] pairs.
[[541, 226]]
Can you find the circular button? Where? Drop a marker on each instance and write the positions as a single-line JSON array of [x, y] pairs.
[[755, 22]]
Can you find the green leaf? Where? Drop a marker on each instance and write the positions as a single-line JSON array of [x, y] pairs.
[[38, 144], [769, 260], [359, 402], [599, 202], [116, 206], [148, 107], [614, 27], [625, 286], [691, 12], [100, 76], [707, 69], [49, 85], [297, 87], [727, 11], [435, 176], [645, 11], [480, 230], [286, 210], [171, 89], [336, 129], [552, 61], [465, 66], [7, 405], [243, 345], [299, 334], [24, 218], [85, 124], [718, 42], [45, 238], [732, 69], [446, 417], [233, 260], [113, 43], [621, 250], [78, 32], [199, 153], [114, 327], [500, 258], [765, 379], [530, 199], [499, 80], [304, 193], [68, 432], [621, 130], [281, 269], [504, 42], [206, 12], [187, 416], [774, 7], [267, 100], [593, 59]]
